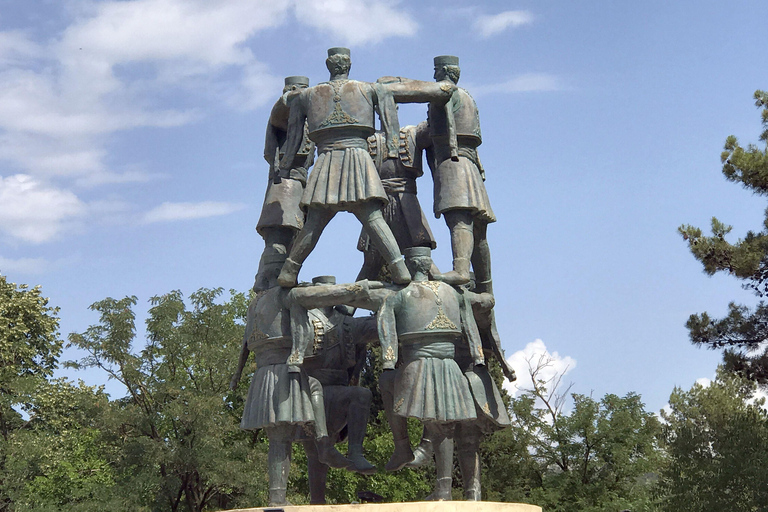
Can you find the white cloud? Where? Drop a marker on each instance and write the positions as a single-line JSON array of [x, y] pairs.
[[63, 99], [23, 265], [494, 24], [168, 212], [356, 21], [551, 366], [35, 212], [527, 82]]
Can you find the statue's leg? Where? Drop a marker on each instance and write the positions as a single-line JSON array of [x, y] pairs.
[[423, 454], [468, 438], [277, 240], [398, 424], [279, 462], [303, 244], [369, 214], [462, 242], [326, 451], [357, 421], [442, 440], [481, 258], [318, 474]]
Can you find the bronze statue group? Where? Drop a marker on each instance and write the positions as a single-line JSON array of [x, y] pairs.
[[435, 329]]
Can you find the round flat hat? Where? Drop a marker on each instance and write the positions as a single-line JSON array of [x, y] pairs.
[[338, 50], [324, 280], [415, 252], [446, 60], [296, 80]]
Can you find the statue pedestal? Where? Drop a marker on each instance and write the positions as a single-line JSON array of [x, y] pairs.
[[417, 506]]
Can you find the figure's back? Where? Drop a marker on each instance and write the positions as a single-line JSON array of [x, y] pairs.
[[466, 118], [337, 105], [428, 307]]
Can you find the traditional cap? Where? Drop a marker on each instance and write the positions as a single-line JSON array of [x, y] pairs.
[[338, 50], [324, 280], [446, 60], [415, 252], [296, 80]]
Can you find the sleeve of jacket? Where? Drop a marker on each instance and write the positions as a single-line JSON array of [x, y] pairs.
[[387, 327]]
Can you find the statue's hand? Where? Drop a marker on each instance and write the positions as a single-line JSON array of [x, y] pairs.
[[234, 382]]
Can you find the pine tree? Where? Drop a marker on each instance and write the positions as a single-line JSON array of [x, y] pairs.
[[743, 331]]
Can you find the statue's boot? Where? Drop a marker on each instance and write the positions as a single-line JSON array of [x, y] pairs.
[[278, 465], [277, 497], [289, 275], [399, 271], [469, 463], [460, 273], [442, 490], [443, 446], [422, 454], [383, 239], [401, 456], [359, 462], [357, 421], [317, 473], [462, 245], [326, 450]]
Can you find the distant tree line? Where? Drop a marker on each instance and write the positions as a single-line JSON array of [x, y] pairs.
[[173, 443]]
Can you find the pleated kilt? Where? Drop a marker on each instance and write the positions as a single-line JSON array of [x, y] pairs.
[[281, 206], [458, 185], [277, 397], [432, 388], [344, 174]]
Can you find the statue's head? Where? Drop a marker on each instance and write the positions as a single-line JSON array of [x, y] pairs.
[[338, 61], [447, 68], [324, 280], [418, 259], [293, 83]]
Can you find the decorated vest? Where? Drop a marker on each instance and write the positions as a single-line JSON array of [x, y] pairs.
[[339, 104]]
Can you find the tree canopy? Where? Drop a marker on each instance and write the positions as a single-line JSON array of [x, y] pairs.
[[742, 331]]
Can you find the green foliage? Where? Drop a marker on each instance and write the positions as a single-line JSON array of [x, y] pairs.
[[180, 441], [746, 259], [29, 348], [717, 440], [600, 456]]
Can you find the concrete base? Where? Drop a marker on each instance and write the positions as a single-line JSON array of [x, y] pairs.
[[418, 506]]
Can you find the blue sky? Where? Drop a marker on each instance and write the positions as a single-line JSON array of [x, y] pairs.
[[131, 135]]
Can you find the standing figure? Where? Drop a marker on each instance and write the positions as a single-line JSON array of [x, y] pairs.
[[281, 215], [340, 117], [403, 212], [458, 175], [427, 318], [338, 343], [491, 412], [282, 398]]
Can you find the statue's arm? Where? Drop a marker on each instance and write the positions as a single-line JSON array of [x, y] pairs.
[[417, 91], [296, 120], [319, 296], [244, 352], [387, 327]]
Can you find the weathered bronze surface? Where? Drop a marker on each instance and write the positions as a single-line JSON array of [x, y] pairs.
[[435, 330]]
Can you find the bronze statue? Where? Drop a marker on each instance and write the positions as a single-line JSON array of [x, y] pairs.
[[340, 117], [282, 398], [281, 215], [338, 345], [458, 175], [426, 318], [403, 212]]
